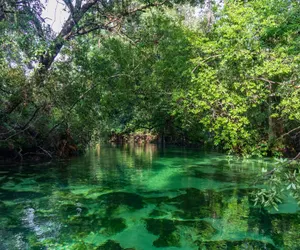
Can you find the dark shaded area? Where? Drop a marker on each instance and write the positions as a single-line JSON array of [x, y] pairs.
[[260, 219], [196, 203], [13, 195], [157, 213], [282, 223], [112, 245], [83, 225], [165, 229], [219, 175], [169, 234], [115, 199]]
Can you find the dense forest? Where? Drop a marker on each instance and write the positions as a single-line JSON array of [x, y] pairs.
[[219, 74], [214, 85]]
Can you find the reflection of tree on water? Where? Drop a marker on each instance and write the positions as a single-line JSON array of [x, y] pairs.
[[129, 197], [112, 164]]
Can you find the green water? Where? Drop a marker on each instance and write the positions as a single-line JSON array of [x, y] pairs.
[[141, 198]]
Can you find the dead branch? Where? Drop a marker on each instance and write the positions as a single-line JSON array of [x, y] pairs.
[[45, 151], [291, 131]]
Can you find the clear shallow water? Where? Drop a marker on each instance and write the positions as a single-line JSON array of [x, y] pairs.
[[141, 198]]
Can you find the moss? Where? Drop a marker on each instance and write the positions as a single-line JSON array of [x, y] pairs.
[[38, 246], [113, 225], [82, 225], [82, 246]]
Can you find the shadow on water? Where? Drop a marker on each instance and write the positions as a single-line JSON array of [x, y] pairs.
[[141, 197]]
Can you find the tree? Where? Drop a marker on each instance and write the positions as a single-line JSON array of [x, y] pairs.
[[242, 74], [26, 100]]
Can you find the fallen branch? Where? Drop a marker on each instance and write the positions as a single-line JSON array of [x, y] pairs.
[[45, 151]]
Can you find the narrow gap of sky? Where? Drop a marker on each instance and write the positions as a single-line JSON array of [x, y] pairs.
[[55, 13]]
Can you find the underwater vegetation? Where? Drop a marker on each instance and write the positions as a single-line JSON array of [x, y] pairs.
[[195, 201]]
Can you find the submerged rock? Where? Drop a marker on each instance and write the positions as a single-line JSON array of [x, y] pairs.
[[156, 200], [157, 213], [83, 225], [112, 245], [165, 229], [112, 226], [167, 240], [13, 195], [236, 245], [160, 226], [114, 200]]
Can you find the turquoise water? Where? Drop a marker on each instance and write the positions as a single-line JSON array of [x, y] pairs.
[[142, 198]]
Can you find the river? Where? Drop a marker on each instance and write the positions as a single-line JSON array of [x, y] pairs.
[[142, 197]]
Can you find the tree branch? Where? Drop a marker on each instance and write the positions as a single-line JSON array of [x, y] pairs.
[[141, 8], [206, 59], [70, 6], [31, 118], [291, 131], [45, 151], [78, 4], [64, 35]]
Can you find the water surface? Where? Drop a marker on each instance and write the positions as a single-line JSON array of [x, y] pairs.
[[142, 198]]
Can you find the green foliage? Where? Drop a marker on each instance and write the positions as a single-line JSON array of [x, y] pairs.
[[242, 76], [231, 84], [281, 182]]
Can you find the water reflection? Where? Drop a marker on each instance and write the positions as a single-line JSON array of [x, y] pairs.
[[141, 197]]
